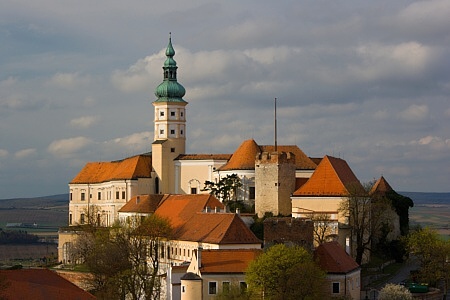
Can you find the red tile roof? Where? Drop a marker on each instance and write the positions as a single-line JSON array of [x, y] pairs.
[[143, 204], [139, 166], [333, 259], [216, 228], [203, 156], [227, 260], [180, 208], [185, 214], [381, 187], [333, 177], [302, 161], [41, 284], [244, 157]]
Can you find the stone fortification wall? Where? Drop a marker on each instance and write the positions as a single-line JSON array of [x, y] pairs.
[[294, 231]]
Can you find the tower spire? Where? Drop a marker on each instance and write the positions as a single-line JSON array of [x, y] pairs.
[[170, 90]]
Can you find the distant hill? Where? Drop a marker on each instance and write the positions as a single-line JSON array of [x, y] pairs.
[[36, 202], [428, 198]]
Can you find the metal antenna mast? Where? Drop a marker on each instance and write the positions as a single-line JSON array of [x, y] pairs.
[[276, 148]]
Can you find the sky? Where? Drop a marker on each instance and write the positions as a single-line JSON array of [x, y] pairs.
[[366, 81]]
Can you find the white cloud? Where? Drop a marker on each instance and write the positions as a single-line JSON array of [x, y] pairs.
[[381, 114], [433, 142], [67, 147], [137, 141], [69, 80], [83, 122], [140, 75], [426, 16], [3, 153], [24, 153], [379, 61], [89, 101], [415, 113]]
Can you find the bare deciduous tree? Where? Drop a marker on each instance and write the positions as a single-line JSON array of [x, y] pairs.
[[365, 217], [124, 260]]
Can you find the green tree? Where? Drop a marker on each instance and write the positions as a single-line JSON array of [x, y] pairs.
[[284, 272], [124, 260], [434, 256], [401, 204], [234, 291], [394, 292], [225, 189]]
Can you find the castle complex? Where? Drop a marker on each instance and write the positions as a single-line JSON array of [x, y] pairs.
[[281, 180], [268, 177]]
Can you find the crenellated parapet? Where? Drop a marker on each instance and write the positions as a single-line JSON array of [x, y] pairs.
[[275, 158]]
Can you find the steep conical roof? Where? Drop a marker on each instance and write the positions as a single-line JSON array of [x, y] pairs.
[[244, 157], [170, 90], [381, 187]]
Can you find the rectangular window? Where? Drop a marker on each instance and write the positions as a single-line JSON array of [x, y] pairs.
[[181, 131], [99, 195], [70, 196], [83, 196], [168, 252], [123, 195], [117, 194], [183, 289], [161, 114], [193, 190], [242, 285], [172, 131], [161, 131], [251, 193], [70, 219], [82, 219], [335, 287], [172, 150], [212, 288], [181, 113], [225, 287], [172, 113]]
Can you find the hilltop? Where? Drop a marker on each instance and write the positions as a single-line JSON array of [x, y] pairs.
[[36, 202], [48, 211]]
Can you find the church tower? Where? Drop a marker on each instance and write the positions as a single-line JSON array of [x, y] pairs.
[[170, 125]]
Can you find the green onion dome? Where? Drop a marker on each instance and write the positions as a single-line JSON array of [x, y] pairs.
[[170, 90]]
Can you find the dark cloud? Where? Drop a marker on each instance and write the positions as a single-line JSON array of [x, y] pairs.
[[366, 81]]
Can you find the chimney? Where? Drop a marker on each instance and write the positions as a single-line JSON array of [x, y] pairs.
[[216, 209], [138, 199], [199, 258]]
